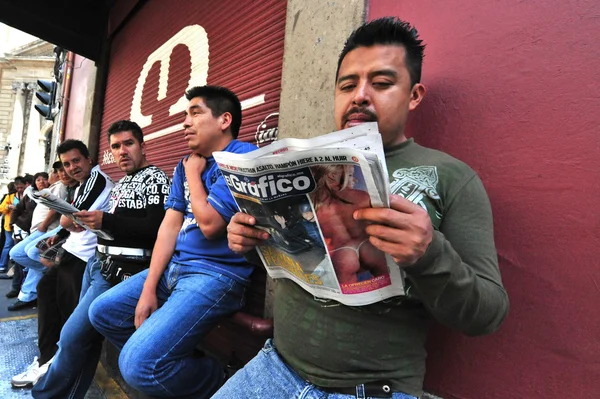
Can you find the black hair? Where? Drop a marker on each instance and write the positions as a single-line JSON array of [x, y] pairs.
[[220, 100], [19, 179], [125, 125], [29, 179], [11, 187], [38, 174], [57, 165], [71, 144], [389, 31]]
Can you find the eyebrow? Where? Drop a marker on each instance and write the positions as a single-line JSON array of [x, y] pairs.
[[191, 107], [381, 72]]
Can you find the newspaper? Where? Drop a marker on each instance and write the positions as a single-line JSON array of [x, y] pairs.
[[304, 194], [46, 198]]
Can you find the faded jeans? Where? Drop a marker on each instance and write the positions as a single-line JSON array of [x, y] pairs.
[[72, 370], [159, 358], [267, 376]]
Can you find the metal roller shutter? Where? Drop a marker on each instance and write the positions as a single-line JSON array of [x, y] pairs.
[[168, 46]]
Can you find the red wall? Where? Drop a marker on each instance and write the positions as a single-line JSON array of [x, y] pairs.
[[514, 90]]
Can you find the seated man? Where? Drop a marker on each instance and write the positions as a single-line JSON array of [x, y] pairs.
[[60, 287], [136, 211], [158, 316]]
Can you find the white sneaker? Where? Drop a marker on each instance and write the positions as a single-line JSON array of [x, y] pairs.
[[31, 375]]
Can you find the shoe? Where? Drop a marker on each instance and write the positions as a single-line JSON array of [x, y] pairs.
[[3, 270], [18, 305], [32, 375], [5, 277], [12, 293]]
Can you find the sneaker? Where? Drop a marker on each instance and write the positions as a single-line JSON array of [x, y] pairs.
[[31, 375], [12, 293], [18, 305]]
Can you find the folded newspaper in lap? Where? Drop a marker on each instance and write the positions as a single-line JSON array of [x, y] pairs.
[[304, 194], [45, 197]]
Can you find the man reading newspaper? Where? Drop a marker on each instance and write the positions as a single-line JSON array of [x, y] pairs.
[[135, 213], [443, 241], [60, 287]]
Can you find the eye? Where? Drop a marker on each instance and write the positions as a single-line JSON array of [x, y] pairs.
[[347, 87], [382, 84]]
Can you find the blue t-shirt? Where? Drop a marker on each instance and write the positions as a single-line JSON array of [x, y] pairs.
[[192, 248]]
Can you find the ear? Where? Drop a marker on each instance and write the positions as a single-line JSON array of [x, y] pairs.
[[225, 121], [143, 146], [416, 96]]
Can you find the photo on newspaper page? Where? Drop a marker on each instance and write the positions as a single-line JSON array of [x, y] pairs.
[[305, 200]]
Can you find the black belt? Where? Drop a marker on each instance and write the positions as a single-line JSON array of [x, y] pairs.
[[375, 389]]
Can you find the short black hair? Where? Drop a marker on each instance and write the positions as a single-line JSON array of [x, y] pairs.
[[220, 100], [29, 179], [19, 180], [11, 187], [125, 125], [389, 31], [38, 174], [57, 165], [71, 144]]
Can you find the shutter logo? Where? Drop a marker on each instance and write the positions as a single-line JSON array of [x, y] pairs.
[[196, 40]]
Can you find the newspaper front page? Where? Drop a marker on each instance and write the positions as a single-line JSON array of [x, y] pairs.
[[304, 194]]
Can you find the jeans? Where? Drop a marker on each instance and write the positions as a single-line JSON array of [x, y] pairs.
[[20, 254], [8, 244], [159, 358], [267, 376], [72, 370]]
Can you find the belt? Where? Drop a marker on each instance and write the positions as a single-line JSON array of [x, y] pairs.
[[375, 389], [110, 250]]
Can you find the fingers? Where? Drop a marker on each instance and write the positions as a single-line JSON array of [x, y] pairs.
[[241, 234]]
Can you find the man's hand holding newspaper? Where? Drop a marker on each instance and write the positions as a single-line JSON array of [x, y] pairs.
[[313, 209]]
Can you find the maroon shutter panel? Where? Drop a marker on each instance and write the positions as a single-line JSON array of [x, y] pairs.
[[244, 53]]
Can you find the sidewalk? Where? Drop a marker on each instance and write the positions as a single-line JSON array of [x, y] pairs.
[[18, 346]]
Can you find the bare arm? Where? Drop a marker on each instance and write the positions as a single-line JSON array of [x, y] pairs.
[[208, 219], [161, 256], [50, 217]]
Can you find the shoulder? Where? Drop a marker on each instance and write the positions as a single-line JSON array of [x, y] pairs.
[[240, 147], [154, 175]]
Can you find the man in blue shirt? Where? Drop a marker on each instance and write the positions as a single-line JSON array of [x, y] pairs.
[[158, 316]]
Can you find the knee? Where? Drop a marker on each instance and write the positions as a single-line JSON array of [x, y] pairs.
[[97, 314], [137, 369]]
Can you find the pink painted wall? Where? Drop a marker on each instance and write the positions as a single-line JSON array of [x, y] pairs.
[[514, 90], [81, 88]]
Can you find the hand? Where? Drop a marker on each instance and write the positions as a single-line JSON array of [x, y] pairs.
[[194, 165], [403, 231], [10, 207], [42, 228], [75, 228], [147, 304], [52, 240], [242, 237], [92, 219]]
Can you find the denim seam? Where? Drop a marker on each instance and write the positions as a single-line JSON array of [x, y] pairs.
[[195, 324]]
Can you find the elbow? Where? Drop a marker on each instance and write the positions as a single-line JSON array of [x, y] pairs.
[[490, 319], [211, 231]]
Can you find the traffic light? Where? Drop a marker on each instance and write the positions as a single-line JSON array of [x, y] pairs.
[[47, 95]]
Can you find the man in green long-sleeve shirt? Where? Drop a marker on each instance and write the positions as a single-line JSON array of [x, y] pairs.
[[439, 230]]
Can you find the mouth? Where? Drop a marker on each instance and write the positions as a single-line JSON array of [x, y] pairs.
[[357, 118], [188, 135]]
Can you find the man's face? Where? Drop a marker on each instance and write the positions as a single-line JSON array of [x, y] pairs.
[[64, 177], [373, 85], [20, 187], [41, 183], [128, 152], [202, 129], [76, 165]]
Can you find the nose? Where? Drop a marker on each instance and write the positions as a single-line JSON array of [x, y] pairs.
[[187, 121], [361, 95]]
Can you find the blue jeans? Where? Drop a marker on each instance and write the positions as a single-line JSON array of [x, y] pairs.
[[20, 254], [72, 371], [267, 376], [8, 244], [159, 358]]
